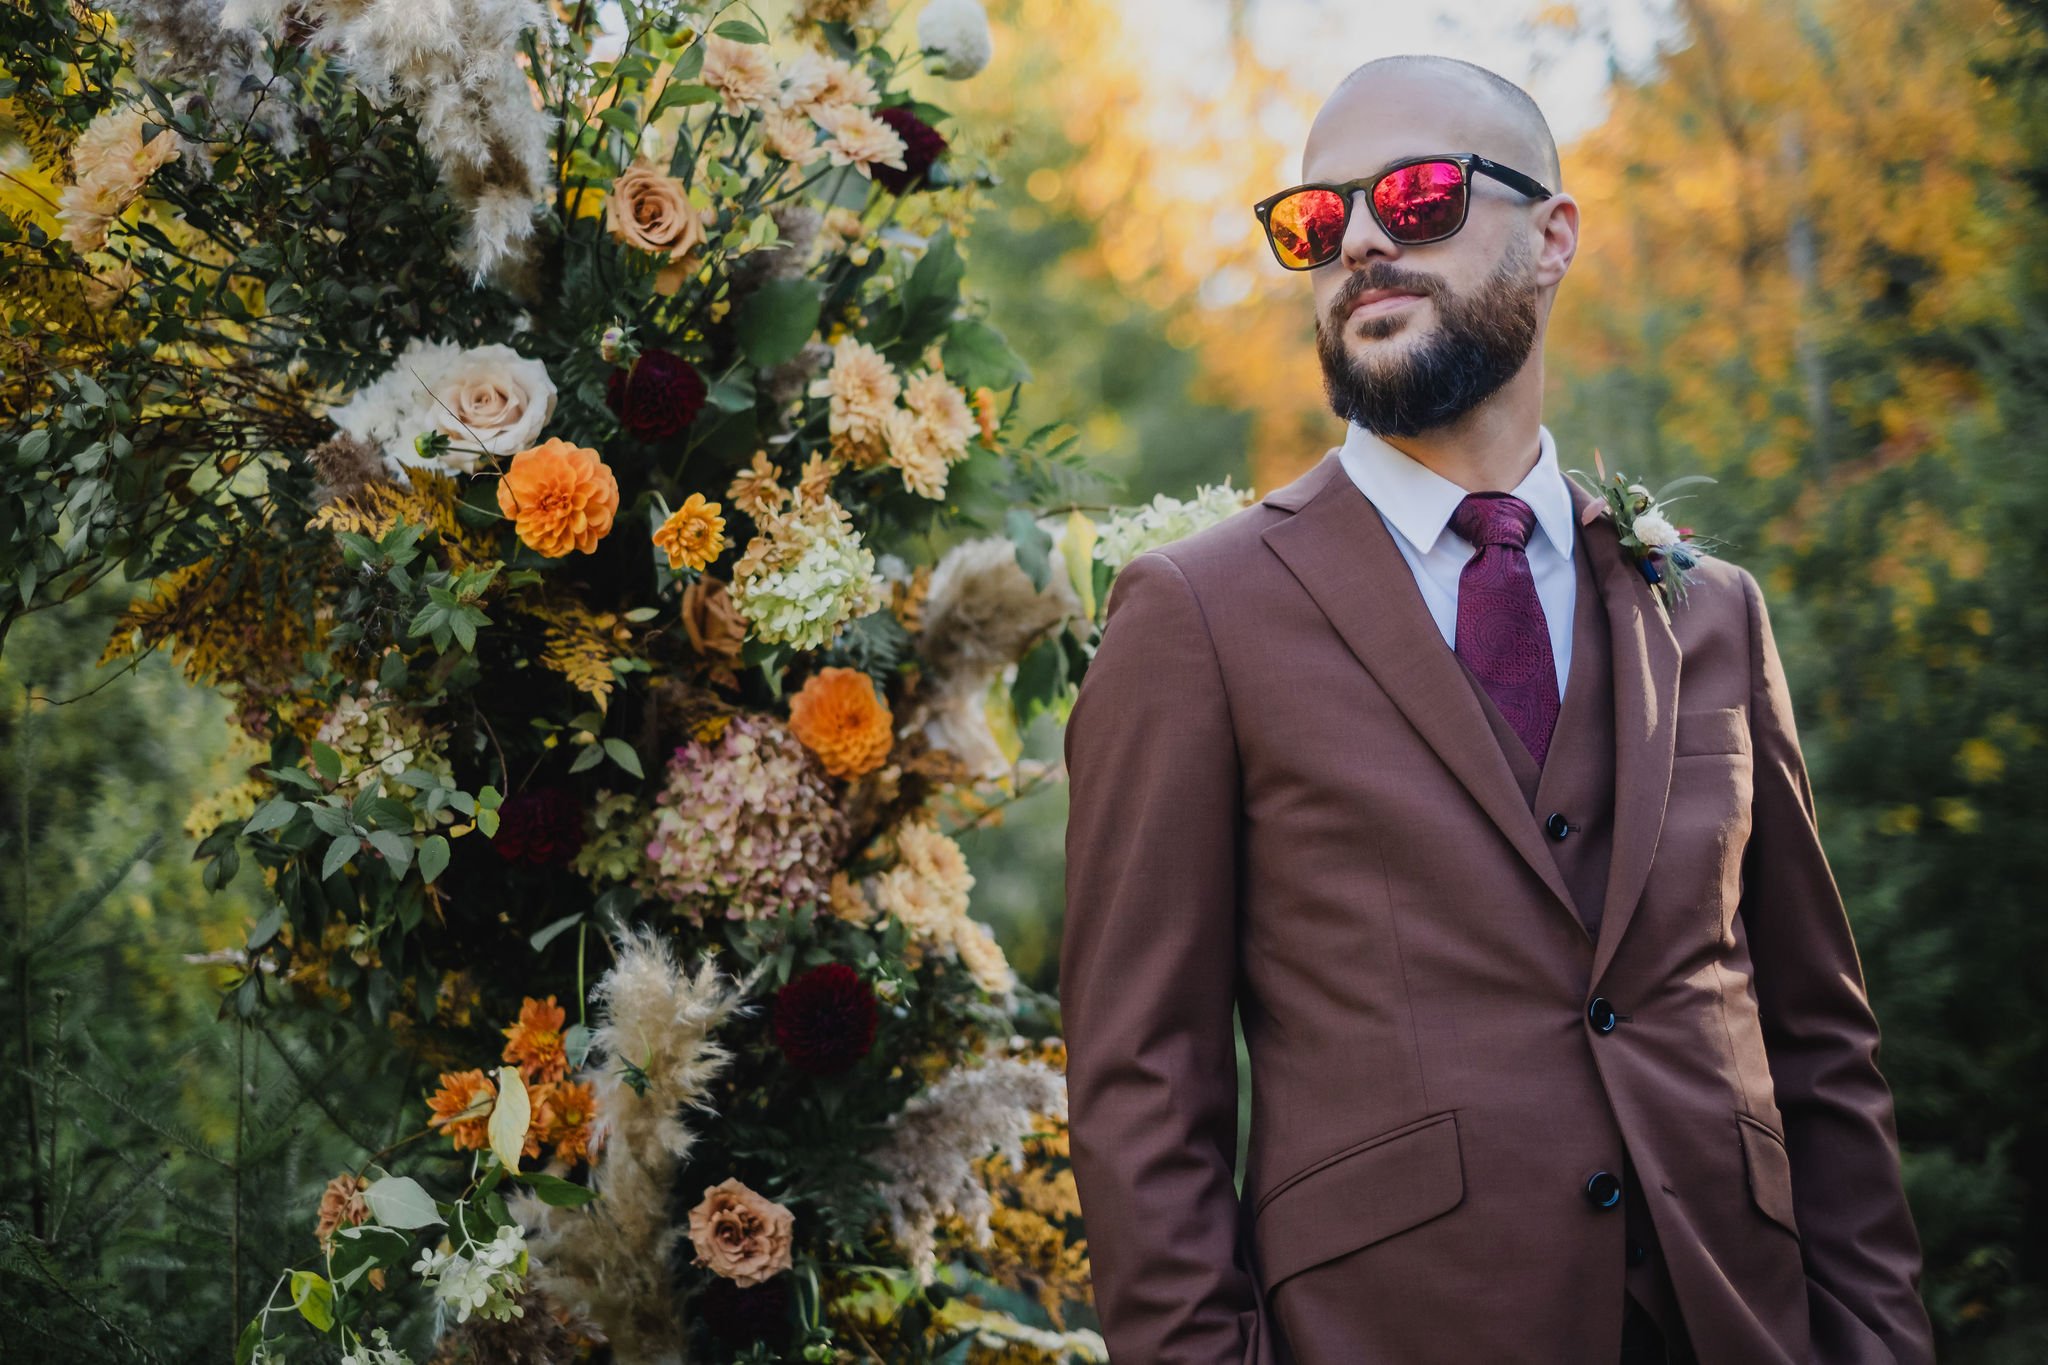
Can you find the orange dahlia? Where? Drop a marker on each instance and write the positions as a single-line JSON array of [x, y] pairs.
[[534, 1044], [694, 533], [560, 497], [462, 1108], [564, 1119], [840, 717]]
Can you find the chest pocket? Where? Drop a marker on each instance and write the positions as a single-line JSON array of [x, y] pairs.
[[1721, 730]]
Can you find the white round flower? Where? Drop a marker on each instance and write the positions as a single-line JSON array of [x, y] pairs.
[[954, 35], [489, 397], [1654, 531]]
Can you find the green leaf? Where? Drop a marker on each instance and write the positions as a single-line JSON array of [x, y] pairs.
[[1034, 545], [327, 761], [433, 857], [272, 814], [562, 1194], [1077, 550], [591, 756], [931, 294], [734, 393], [740, 32], [338, 854], [314, 1298], [543, 937], [396, 848], [251, 1338], [266, 928], [623, 755], [398, 1201], [775, 321], [980, 357]]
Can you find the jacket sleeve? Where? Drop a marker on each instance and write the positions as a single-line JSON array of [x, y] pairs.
[[1148, 961], [1861, 1250]]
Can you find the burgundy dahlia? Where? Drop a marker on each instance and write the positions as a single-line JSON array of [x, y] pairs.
[[743, 1314], [542, 828], [657, 396], [825, 1019], [923, 146]]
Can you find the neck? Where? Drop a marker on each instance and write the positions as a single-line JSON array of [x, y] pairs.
[[1493, 447]]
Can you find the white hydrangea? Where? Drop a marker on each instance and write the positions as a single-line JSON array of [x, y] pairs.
[[482, 1278], [484, 397], [1129, 534], [817, 575], [955, 37], [377, 1351]]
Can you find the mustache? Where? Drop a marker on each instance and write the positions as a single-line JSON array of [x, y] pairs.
[[1366, 281]]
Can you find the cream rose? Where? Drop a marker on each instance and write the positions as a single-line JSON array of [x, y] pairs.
[[739, 1234], [651, 212], [489, 397]]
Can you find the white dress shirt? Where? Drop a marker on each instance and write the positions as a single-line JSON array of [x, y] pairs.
[[1416, 503]]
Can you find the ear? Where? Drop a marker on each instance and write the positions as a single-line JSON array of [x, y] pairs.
[[1558, 220]]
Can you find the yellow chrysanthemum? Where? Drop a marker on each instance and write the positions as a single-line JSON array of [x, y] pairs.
[[693, 535]]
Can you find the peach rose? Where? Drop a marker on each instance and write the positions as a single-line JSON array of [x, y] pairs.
[[651, 212], [739, 1234], [560, 497]]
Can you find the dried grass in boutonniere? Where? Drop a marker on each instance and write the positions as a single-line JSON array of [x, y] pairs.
[[1665, 552]]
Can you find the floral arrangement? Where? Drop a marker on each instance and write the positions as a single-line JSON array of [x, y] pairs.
[[562, 433], [1665, 553]]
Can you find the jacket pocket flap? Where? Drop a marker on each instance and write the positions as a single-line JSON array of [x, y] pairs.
[[1770, 1172], [1722, 730], [1384, 1185]]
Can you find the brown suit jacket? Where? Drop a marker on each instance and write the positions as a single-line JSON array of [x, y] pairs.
[[1287, 797]]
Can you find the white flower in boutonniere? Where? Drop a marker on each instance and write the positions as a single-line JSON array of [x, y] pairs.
[[1664, 551]]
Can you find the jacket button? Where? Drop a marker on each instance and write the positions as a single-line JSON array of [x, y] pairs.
[[1557, 826], [1636, 1252], [1603, 1189], [1601, 1012]]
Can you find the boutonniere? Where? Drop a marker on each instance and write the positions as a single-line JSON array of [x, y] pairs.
[[1664, 551]]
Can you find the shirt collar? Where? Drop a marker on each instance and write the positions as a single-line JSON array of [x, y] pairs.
[[1419, 501]]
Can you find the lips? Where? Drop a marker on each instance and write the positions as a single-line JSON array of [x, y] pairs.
[[1381, 296]]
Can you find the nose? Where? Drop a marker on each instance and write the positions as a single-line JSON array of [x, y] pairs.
[[1363, 236]]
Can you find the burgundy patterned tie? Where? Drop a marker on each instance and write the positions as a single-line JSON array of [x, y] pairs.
[[1501, 634]]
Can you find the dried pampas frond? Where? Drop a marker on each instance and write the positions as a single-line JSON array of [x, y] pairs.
[[980, 615], [941, 1134], [652, 1053]]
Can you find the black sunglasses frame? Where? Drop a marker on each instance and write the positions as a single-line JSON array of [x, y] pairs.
[[1469, 164]]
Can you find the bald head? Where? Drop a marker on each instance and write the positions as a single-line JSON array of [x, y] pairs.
[[1460, 102]]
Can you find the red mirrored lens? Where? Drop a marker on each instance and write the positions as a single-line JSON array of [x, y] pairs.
[[1419, 202], [1307, 228]]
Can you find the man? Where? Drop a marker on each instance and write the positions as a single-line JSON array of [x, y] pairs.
[[1559, 1046]]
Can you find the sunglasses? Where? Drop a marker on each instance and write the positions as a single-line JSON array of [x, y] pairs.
[[1422, 199]]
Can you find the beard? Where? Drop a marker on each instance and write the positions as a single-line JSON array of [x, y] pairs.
[[1482, 340]]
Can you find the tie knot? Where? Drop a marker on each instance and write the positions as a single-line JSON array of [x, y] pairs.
[[1494, 519]]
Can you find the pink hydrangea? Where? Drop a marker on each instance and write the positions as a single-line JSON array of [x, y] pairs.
[[744, 824]]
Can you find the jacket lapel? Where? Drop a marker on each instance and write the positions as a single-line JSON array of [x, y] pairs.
[[1342, 553], [1646, 658]]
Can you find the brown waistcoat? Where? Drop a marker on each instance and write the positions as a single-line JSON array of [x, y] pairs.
[[1577, 782]]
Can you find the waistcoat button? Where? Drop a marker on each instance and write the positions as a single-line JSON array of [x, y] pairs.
[[1603, 1189]]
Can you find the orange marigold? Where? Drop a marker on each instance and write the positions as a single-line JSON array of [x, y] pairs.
[[985, 414], [462, 1109], [560, 496], [694, 533], [534, 1044], [564, 1120], [842, 719]]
